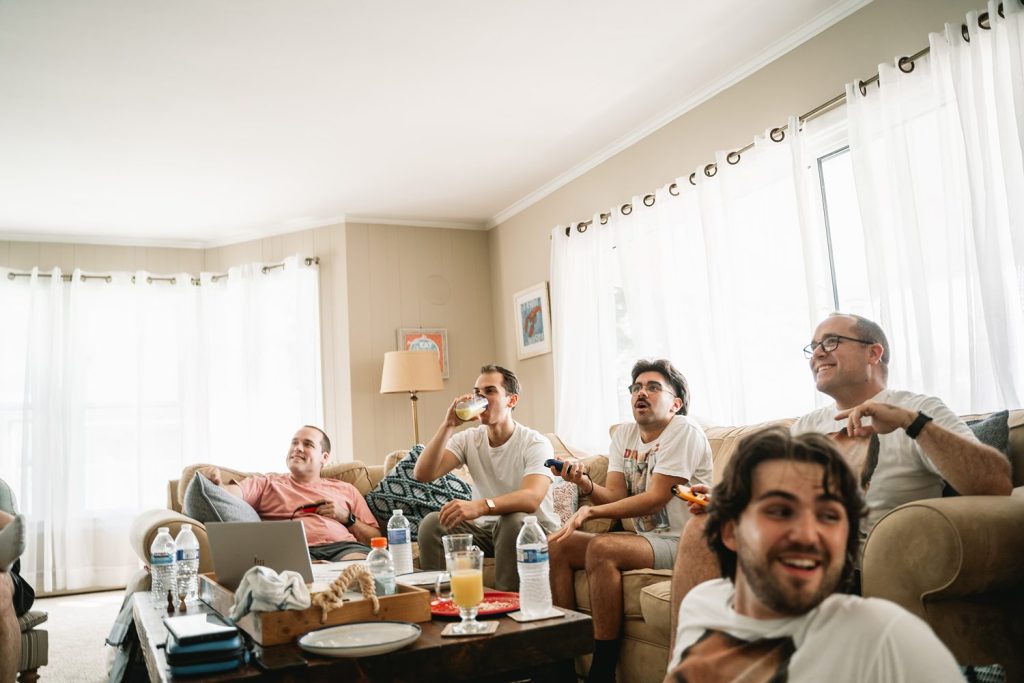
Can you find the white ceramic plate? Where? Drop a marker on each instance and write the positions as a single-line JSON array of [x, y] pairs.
[[360, 639], [427, 579]]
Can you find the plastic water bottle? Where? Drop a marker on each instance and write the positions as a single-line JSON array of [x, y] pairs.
[[161, 567], [532, 556], [400, 542], [381, 566], [186, 557]]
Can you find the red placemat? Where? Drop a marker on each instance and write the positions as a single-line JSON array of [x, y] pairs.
[[495, 602]]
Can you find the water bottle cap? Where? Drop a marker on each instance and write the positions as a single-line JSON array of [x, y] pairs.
[[399, 513], [163, 530], [379, 542]]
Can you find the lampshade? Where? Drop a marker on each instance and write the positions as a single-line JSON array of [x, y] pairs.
[[406, 371]]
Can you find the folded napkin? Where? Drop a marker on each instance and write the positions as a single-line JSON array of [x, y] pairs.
[[264, 590]]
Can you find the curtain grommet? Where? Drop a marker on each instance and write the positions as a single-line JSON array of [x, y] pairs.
[[710, 170], [626, 209], [673, 190], [650, 197], [732, 158], [777, 135], [906, 64], [965, 32]]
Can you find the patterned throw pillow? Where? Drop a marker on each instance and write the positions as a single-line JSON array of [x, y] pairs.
[[398, 490]]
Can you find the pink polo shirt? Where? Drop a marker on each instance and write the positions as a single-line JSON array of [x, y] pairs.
[[275, 496]]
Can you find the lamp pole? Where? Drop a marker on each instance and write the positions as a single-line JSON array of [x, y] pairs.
[[414, 399]]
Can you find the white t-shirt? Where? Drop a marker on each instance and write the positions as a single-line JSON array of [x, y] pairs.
[[845, 638], [903, 473], [682, 450], [500, 470]]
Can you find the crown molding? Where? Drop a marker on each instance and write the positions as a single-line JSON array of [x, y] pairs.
[[418, 223], [820, 23]]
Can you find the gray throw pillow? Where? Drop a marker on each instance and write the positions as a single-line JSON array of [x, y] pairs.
[[206, 502], [993, 431]]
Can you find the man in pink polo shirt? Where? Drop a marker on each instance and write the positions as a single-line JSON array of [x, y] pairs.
[[338, 528]]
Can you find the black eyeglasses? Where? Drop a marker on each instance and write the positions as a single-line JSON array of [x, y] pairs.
[[830, 342], [651, 387]]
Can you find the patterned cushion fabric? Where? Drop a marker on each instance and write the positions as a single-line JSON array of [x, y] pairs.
[[566, 498], [398, 490], [207, 502]]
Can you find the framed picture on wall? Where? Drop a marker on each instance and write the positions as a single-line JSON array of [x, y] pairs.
[[532, 321], [426, 339]]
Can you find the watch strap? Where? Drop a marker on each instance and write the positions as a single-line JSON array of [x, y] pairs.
[[915, 427]]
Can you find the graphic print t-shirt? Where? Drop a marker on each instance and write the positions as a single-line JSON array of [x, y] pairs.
[[682, 450]]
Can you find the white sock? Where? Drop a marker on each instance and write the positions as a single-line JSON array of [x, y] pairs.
[[12, 542]]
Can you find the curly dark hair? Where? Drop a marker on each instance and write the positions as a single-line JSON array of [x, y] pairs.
[[665, 368], [732, 495]]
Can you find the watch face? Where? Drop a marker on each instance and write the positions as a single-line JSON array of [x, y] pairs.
[[490, 504]]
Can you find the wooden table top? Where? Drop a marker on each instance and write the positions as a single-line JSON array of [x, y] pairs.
[[513, 647]]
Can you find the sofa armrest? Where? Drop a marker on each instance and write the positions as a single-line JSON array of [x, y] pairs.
[[144, 527], [945, 548]]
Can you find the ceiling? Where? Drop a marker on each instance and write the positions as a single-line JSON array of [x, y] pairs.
[[205, 122]]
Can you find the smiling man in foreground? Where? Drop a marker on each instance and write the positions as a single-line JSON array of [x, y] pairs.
[[783, 524]]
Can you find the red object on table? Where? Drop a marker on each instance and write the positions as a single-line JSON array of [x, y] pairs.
[[495, 602]]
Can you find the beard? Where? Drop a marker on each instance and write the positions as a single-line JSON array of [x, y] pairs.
[[784, 594]]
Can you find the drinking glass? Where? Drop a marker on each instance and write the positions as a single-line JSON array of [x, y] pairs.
[[467, 581], [453, 542], [469, 408], [443, 587]]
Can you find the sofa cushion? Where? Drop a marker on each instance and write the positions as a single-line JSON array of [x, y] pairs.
[[226, 473], [398, 490], [993, 430], [206, 502], [655, 605], [566, 496], [354, 473]]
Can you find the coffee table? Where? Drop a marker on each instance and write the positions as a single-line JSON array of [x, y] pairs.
[[536, 651]]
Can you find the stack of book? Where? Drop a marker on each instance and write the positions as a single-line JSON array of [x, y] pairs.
[[199, 644]]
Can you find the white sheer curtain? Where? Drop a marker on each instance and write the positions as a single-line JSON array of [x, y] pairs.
[[715, 279], [940, 182], [108, 388]]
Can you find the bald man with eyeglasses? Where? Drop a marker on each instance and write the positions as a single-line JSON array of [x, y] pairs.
[[662, 448], [901, 445]]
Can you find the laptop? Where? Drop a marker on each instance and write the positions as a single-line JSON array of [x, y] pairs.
[[236, 547]]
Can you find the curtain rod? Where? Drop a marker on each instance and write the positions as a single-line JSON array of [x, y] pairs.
[[309, 261], [778, 134]]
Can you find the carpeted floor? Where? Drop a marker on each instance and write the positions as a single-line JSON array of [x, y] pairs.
[[78, 626]]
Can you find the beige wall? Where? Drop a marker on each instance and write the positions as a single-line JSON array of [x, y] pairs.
[[413, 277], [791, 85], [374, 279]]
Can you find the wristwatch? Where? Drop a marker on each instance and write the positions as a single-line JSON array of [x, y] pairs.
[[915, 427], [352, 519], [491, 507]]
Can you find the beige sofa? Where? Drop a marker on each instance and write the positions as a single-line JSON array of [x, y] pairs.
[[956, 562]]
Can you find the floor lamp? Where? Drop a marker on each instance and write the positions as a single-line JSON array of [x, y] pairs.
[[412, 372]]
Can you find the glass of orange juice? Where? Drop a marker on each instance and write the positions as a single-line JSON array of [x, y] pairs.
[[465, 567]]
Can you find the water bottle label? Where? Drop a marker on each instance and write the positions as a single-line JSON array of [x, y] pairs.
[[531, 555], [161, 559], [398, 536], [187, 554]]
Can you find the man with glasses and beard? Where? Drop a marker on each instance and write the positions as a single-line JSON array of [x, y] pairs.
[[901, 446], [646, 459], [783, 524]]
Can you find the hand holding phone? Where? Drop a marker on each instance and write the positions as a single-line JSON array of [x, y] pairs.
[[689, 496]]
